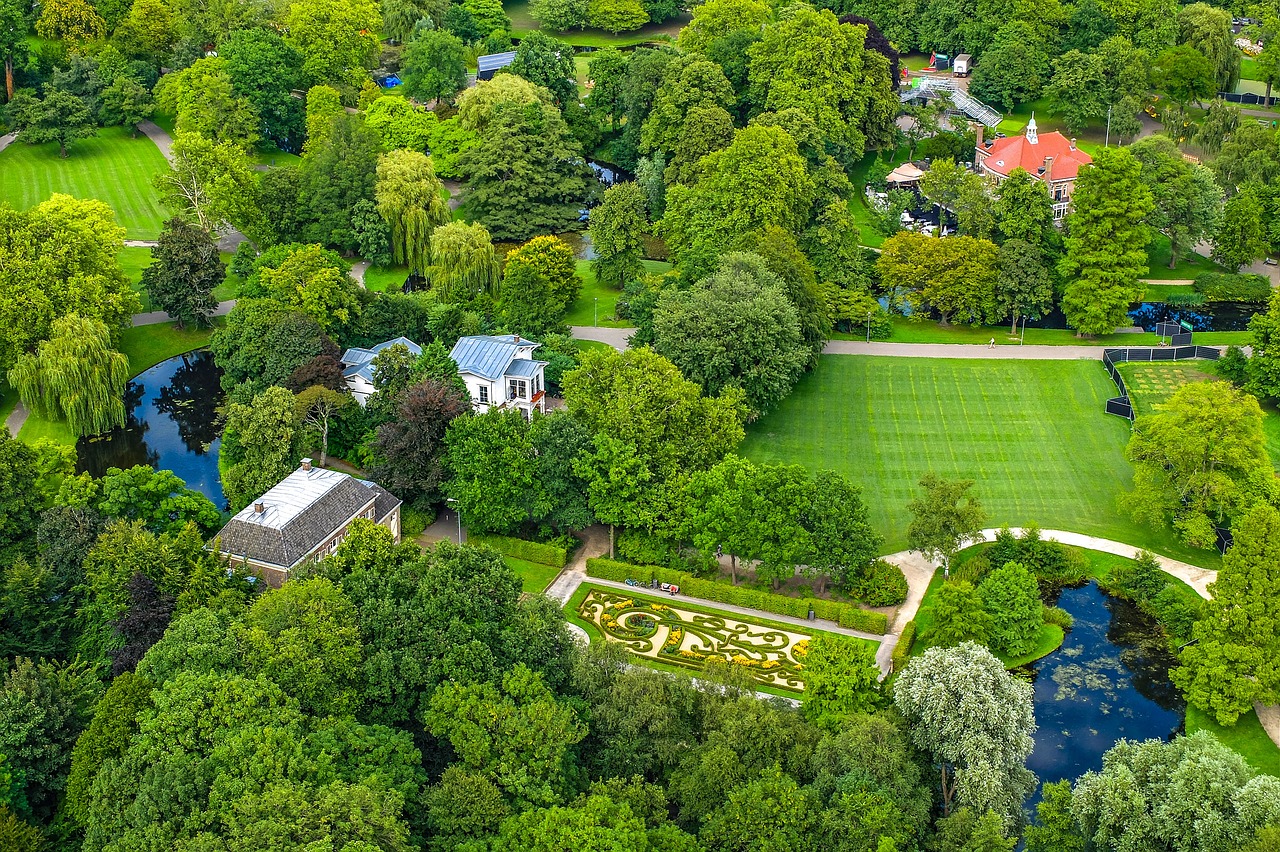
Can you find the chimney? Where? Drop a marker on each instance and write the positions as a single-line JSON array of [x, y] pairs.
[[978, 130], [1048, 169], [306, 464], [516, 337], [259, 508], [1073, 143]]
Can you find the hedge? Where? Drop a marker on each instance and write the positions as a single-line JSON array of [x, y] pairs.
[[1229, 287], [846, 615], [903, 649], [529, 551]]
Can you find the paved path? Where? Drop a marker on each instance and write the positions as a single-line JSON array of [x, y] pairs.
[[141, 243], [153, 317], [961, 350], [358, 269], [16, 418], [229, 241], [7, 140], [615, 337], [1175, 282]]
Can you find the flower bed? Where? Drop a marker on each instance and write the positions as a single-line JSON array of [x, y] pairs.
[[684, 637]]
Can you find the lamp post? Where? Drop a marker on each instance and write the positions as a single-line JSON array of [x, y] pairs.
[[1107, 143], [597, 302], [1023, 338], [459, 516], [868, 326]]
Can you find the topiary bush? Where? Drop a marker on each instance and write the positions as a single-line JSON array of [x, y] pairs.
[[902, 651], [1233, 366], [879, 584]]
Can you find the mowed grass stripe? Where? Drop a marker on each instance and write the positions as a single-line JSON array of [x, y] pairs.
[[1032, 434], [111, 167]]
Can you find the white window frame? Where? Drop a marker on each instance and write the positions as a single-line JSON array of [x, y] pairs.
[[517, 389], [484, 395]]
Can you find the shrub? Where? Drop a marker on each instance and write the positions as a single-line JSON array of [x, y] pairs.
[[879, 584], [1185, 299], [1176, 611], [1228, 287], [1059, 616], [529, 551], [414, 521], [846, 615], [902, 650], [643, 548], [1138, 579], [1233, 366], [973, 569]]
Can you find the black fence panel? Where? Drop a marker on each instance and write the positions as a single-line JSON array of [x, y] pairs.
[[1122, 406]]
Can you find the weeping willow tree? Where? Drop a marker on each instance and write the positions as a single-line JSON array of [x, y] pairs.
[[463, 262], [76, 375], [409, 198]]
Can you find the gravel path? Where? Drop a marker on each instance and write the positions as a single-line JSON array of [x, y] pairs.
[[615, 337], [7, 140], [961, 350], [153, 317]]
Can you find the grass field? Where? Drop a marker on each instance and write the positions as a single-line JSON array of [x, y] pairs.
[[1031, 434], [1189, 265], [534, 578], [379, 278], [111, 167], [523, 23], [585, 310], [1246, 737]]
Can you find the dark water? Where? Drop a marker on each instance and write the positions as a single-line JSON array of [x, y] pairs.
[[1109, 680], [1211, 316], [171, 425]]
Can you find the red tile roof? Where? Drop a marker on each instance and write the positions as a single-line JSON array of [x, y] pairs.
[[1012, 152]]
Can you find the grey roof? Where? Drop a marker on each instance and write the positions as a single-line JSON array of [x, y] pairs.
[[359, 362], [494, 61], [384, 501], [300, 513], [524, 368], [488, 356]]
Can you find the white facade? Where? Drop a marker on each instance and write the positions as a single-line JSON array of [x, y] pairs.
[[500, 372]]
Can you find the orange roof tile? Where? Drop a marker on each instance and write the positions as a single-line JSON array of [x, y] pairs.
[[1012, 152]]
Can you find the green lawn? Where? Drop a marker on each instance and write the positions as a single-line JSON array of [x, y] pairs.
[[907, 330], [1246, 737], [522, 23], [595, 304], [1188, 266], [1249, 68], [866, 220], [111, 167], [379, 278], [1031, 434], [534, 578]]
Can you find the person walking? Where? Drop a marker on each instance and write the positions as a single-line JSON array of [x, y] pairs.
[[992, 344]]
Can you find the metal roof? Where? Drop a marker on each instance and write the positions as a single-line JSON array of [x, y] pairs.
[[488, 355], [524, 368], [359, 362], [494, 61]]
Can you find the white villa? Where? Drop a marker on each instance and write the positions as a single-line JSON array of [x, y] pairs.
[[357, 366], [501, 372]]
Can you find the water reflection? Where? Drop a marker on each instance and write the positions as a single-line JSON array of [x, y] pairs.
[[172, 424], [1109, 680]]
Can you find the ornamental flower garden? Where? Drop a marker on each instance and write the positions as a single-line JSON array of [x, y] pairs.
[[683, 637]]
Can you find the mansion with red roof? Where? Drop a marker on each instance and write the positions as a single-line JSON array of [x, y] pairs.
[[1051, 158]]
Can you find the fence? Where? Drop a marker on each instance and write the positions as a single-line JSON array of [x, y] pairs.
[[1121, 406], [1244, 98]]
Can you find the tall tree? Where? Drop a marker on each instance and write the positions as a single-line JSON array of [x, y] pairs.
[[258, 444], [204, 101], [338, 41], [411, 448], [1106, 242], [1023, 286], [185, 267], [1023, 209], [338, 171], [314, 282], [210, 183], [617, 228], [940, 523], [841, 680], [75, 375], [548, 62], [1208, 30], [464, 263], [317, 406], [13, 38], [126, 102], [409, 199], [552, 258], [1185, 74], [955, 277], [1199, 462], [976, 721], [1077, 90], [19, 497], [1188, 201], [1011, 598], [264, 69], [1241, 236], [60, 117], [1014, 68], [434, 67], [73, 21]]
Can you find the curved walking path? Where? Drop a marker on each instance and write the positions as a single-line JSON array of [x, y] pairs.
[[154, 317], [615, 337], [1004, 351], [228, 241]]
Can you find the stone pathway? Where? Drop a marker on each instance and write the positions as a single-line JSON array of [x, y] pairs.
[[963, 350], [7, 140], [153, 317], [358, 269], [615, 337]]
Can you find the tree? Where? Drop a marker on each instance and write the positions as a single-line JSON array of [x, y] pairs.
[[594, 824], [737, 327], [411, 447], [1185, 74], [157, 498], [265, 70], [1011, 598], [716, 19], [689, 84], [839, 525], [526, 174], [203, 98], [976, 721], [1106, 242], [547, 62], [410, 201], [968, 831], [19, 497], [314, 282], [1267, 64], [617, 228], [1055, 828], [73, 21], [338, 171], [126, 102], [210, 183], [841, 679], [60, 117], [1188, 202], [317, 406], [1199, 462], [1264, 363], [1023, 209], [553, 259], [1088, 27], [940, 524], [529, 306], [607, 70], [463, 261], [771, 812], [559, 15], [263, 342], [1013, 69], [493, 467], [13, 39], [518, 735], [435, 67], [261, 436], [1023, 286], [1077, 90], [616, 16], [1241, 236], [338, 41], [615, 477], [400, 123], [955, 277], [1208, 31], [959, 616], [75, 375], [184, 269]]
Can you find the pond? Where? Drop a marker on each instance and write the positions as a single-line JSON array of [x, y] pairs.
[[172, 425], [1211, 316], [1108, 681]]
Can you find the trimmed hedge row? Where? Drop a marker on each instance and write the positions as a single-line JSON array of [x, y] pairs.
[[902, 650], [529, 551], [846, 615]]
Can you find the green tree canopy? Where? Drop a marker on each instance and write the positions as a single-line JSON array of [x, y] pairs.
[[435, 67], [1011, 598], [618, 225], [185, 268], [262, 442], [409, 199]]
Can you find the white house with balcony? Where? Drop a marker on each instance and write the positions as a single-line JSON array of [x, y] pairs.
[[358, 369], [500, 372]]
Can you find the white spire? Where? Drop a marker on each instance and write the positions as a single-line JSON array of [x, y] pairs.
[[1031, 130]]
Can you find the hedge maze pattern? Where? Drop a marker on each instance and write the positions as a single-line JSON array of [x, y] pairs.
[[681, 637]]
